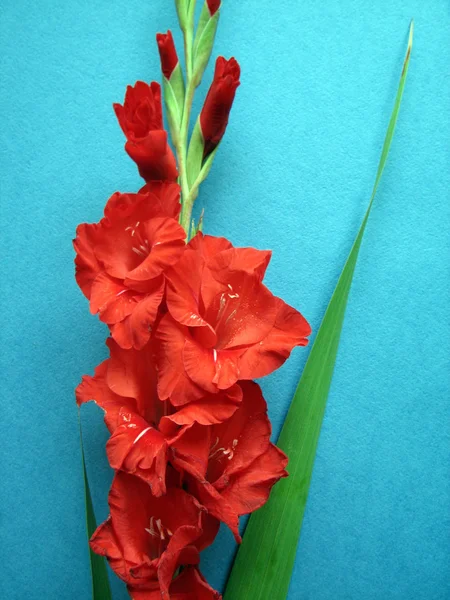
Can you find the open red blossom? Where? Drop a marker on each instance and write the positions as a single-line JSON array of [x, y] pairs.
[[141, 120], [167, 53], [189, 585], [213, 6], [124, 386], [146, 538], [235, 464], [142, 427], [219, 100], [121, 260], [223, 324]]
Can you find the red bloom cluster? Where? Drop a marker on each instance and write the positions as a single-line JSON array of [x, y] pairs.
[[191, 324]]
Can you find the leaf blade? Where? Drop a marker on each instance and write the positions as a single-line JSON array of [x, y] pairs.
[[274, 530], [99, 574]]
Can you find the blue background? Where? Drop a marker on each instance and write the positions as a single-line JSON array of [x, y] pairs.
[[294, 174]]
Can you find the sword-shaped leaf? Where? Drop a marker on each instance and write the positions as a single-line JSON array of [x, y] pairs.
[[264, 562]]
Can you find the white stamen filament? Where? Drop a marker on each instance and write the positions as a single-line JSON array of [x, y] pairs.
[[141, 434]]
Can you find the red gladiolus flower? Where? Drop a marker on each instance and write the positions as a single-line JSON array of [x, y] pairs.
[[121, 260], [141, 120], [189, 585], [142, 427], [213, 6], [216, 110], [236, 465], [167, 53], [146, 538], [124, 386], [223, 324]]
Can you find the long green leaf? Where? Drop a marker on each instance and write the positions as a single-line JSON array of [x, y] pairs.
[[99, 572], [264, 562]]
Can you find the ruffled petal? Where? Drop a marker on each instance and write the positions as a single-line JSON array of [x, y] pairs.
[[166, 240], [250, 489], [111, 299], [97, 390], [289, 330], [139, 449], [135, 330], [173, 381], [87, 266], [209, 410]]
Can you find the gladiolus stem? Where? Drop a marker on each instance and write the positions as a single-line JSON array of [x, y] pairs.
[[182, 142]]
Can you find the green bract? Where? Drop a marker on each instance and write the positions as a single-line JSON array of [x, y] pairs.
[[174, 100], [204, 41]]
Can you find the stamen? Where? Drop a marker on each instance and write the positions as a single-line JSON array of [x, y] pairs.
[[215, 355], [141, 434], [151, 529], [160, 529], [138, 252]]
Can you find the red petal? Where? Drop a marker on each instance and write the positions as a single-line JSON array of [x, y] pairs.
[[183, 292], [240, 259], [132, 374], [153, 156], [173, 381], [135, 330], [210, 410], [111, 299], [166, 239], [96, 389], [139, 449], [167, 194], [250, 489], [290, 329], [132, 547], [87, 266], [200, 365], [246, 433], [189, 585], [244, 314]]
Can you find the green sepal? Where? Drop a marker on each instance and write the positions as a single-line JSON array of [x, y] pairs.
[[204, 41], [174, 100], [195, 154]]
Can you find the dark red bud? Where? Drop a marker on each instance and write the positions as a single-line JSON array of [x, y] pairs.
[[167, 53], [213, 6]]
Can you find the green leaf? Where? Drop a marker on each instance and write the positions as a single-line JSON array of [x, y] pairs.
[[99, 572], [264, 562]]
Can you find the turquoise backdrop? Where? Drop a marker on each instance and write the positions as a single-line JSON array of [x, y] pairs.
[[294, 174]]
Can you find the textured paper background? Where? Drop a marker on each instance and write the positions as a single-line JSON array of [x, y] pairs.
[[294, 174]]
